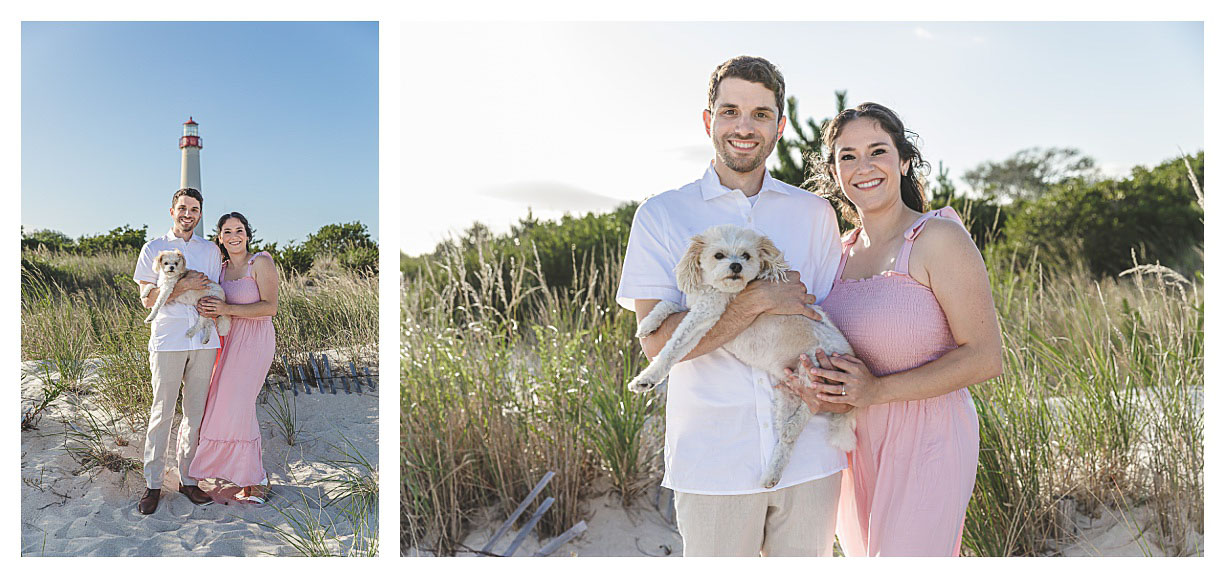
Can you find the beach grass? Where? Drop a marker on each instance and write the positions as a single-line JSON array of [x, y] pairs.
[[1099, 408], [76, 308]]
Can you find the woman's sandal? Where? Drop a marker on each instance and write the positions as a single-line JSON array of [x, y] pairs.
[[257, 494]]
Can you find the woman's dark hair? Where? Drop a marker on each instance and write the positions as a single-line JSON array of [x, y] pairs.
[[823, 177], [245, 225]]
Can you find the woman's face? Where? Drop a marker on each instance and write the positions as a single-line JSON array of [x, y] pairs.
[[868, 165], [234, 236]]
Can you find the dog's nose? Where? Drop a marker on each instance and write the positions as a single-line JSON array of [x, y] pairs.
[[736, 267]]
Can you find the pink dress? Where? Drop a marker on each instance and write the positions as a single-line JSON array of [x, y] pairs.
[[912, 472], [230, 445]]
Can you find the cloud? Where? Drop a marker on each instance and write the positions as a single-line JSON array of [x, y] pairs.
[[923, 33], [550, 196], [978, 40]]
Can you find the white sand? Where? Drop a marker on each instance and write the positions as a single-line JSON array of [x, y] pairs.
[[643, 530], [67, 512], [612, 530]]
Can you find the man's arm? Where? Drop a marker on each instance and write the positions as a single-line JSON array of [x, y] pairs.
[[193, 280], [759, 297]]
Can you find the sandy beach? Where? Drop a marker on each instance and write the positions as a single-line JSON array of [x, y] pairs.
[[69, 509], [643, 530]]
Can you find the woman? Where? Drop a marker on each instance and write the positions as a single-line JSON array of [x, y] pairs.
[[912, 297], [230, 445]]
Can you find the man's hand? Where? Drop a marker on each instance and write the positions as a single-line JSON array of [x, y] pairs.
[[789, 297], [190, 281]]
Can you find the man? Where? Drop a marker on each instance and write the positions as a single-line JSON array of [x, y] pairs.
[[174, 358], [719, 432]]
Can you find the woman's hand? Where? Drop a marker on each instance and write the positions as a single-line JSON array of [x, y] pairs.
[[847, 380], [212, 307], [808, 388]]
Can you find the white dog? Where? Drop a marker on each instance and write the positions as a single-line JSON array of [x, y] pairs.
[[719, 263], [170, 267]]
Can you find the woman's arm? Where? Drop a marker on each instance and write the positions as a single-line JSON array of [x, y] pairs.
[[264, 272], [946, 258]]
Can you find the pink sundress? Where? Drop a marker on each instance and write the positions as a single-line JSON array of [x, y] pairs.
[[230, 444], [911, 475]]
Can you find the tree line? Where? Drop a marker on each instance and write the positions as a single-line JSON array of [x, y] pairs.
[[1052, 204], [349, 244]]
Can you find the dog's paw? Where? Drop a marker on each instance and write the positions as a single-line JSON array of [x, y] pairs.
[[769, 481], [642, 384], [149, 319], [842, 435]]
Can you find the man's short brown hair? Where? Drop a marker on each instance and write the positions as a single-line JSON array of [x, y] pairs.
[[752, 69], [187, 192]]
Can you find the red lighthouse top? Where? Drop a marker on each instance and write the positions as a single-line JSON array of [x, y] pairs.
[[191, 135]]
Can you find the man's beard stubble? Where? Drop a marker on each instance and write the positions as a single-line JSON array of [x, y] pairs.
[[742, 165]]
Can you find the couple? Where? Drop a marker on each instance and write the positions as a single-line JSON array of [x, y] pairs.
[[219, 434], [907, 287]]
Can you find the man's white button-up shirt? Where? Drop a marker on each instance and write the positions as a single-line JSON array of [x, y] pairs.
[[169, 329], [718, 427]]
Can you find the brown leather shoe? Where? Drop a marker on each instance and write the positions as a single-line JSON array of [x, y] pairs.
[[196, 495], [148, 502]]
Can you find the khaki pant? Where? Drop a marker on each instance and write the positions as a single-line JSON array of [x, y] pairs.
[[794, 521], [192, 370]]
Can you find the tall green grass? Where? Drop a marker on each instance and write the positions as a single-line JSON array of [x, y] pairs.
[[491, 403], [504, 377], [76, 308]]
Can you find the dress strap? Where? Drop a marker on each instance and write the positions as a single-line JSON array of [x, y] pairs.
[[847, 240], [902, 265], [251, 261]]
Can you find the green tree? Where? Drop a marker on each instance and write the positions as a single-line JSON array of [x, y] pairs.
[[794, 153], [1027, 174], [122, 238], [46, 239], [1154, 211]]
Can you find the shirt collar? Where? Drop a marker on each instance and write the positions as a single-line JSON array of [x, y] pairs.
[[170, 236], [712, 188]]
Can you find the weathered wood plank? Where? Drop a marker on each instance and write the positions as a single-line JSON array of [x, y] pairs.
[[544, 481], [527, 528]]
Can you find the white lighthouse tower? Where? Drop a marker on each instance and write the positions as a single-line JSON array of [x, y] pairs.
[[191, 144]]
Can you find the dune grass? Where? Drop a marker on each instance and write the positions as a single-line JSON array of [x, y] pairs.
[[504, 378], [75, 308]]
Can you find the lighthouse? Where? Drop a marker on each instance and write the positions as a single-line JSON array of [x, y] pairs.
[[191, 144]]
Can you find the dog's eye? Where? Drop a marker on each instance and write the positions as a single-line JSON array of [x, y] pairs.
[[719, 255], [746, 256]]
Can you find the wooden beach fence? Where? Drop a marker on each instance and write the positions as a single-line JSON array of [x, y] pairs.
[[320, 375], [527, 527]]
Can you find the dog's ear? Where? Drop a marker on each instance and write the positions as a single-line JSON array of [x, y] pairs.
[[773, 266], [157, 263], [689, 269]]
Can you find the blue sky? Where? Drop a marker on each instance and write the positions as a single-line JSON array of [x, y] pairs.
[[582, 116], [288, 115]]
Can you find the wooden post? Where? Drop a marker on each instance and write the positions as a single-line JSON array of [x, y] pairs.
[[519, 511], [327, 373], [356, 381], [369, 381], [302, 374], [315, 372], [527, 528], [566, 536]]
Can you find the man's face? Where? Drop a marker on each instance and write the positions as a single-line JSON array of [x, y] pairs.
[[186, 213], [744, 124]]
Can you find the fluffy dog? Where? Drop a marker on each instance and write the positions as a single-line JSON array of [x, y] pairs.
[[719, 263], [170, 267]]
